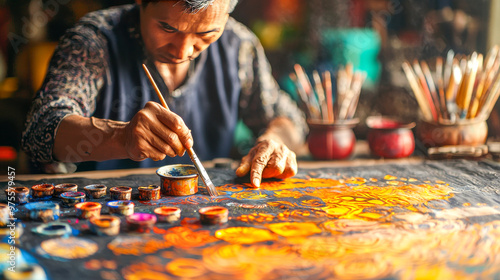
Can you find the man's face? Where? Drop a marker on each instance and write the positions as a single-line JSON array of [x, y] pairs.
[[173, 36]]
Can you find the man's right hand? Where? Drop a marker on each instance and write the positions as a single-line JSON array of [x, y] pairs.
[[155, 132]]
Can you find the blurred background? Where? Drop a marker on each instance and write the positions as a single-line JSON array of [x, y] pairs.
[[376, 36]]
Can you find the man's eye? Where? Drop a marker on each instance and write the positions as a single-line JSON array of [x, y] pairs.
[[168, 28]]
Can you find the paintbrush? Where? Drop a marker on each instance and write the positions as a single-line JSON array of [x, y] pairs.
[[194, 158], [448, 68], [321, 95], [466, 98], [327, 79], [306, 105], [432, 87], [417, 91], [425, 89]]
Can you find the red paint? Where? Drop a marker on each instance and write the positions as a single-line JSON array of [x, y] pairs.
[[390, 138], [331, 141]]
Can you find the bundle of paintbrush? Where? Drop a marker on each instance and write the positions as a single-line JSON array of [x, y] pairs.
[[327, 102], [460, 87]]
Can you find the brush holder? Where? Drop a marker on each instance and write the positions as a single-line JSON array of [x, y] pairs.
[[328, 141], [390, 138], [465, 132]]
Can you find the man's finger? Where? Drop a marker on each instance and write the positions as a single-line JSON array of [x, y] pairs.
[[246, 163], [277, 163], [291, 167], [259, 162]]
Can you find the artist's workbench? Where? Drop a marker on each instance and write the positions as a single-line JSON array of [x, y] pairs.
[[359, 219]]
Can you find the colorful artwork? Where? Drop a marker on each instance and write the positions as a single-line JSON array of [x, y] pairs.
[[318, 225]]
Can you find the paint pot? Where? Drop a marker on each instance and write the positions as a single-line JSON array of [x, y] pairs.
[[4, 215], [141, 222], [389, 137], [42, 190], [20, 194], [87, 210], [62, 188], [70, 199], [213, 215], [121, 207], [25, 272], [328, 141], [45, 211], [151, 192], [53, 229], [105, 225], [121, 193], [464, 132], [168, 214], [95, 191], [178, 179]]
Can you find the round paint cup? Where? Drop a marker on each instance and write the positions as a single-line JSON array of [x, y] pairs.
[[45, 211], [62, 188], [178, 179], [151, 192], [121, 193], [105, 225], [121, 207], [141, 222], [168, 214], [389, 137], [87, 210], [4, 215], [328, 141], [21, 194], [70, 199], [53, 229], [42, 190], [95, 191], [213, 215]]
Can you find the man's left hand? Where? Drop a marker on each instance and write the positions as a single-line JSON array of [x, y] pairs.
[[268, 159]]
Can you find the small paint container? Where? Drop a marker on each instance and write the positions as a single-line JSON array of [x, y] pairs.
[[87, 210], [42, 190], [53, 229], [70, 199], [105, 225], [168, 214], [141, 222], [121, 193], [95, 191], [25, 272], [21, 194], [45, 211], [4, 215], [178, 179], [151, 192], [62, 188], [121, 207], [213, 215]]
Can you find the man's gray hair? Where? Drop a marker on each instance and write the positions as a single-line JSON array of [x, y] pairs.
[[194, 6]]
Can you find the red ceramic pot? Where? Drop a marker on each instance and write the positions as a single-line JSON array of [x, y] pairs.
[[329, 141], [390, 138]]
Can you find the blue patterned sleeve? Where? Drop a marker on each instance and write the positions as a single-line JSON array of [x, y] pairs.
[[261, 98], [75, 75]]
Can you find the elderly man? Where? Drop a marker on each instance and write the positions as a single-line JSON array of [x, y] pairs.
[[97, 104]]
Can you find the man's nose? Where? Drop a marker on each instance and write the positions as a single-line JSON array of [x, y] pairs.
[[183, 46]]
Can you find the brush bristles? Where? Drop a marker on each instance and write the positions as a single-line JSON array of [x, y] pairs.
[[462, 88], [319, 103]]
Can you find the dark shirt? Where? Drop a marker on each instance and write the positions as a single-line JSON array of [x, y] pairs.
[[96, 71]]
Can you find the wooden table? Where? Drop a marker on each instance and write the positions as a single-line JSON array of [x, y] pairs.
[[360, 219]]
